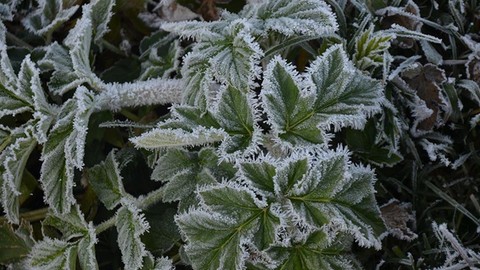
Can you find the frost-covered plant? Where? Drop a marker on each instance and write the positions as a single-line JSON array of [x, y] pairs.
[[209, 144]]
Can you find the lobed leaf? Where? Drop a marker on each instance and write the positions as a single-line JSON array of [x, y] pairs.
[[333, 93], [101, 15], [53, 254], [131, 224], [184, 171], [49, 15], [304, 17], [314, 253], [14, 159], [106, 181], [336, 194]]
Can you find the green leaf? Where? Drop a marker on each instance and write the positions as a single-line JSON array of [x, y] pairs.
[[184, 171], [101, 15], [230, 120], [86, 249], [79, 40], [163, 234], [160, 54], [106, 181], [50, 15], [64, 150], [14, 160], [332, 94], [334, 193], [370, 47], [306, 17], [14, 244], [229, 55], [364, 144], [313, 253], [63, 77], [71, 224], [150, 263], [131, 224], [53, 254], [163, 138], [290, 110], [215, 238]]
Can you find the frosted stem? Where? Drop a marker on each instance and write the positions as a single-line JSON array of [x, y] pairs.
[[152, 92]]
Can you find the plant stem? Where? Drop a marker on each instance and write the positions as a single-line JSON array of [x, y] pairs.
[[143, 203], [33, 215]]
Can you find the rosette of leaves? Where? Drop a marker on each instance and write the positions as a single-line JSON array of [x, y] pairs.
[[300, 207], [274, 213], [229, 50]]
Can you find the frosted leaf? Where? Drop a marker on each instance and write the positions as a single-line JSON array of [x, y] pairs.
[[63, 77], [49, 15], [151, 263], [215, 240], [236, 61], [370, 47], [426, 82], [53, 254], [7, 9], [161, 58], [304, 17], [79, 41], [230, 120], [397, 216], [242, 205], [332, 93], [75, 143], [131, 224], [56, 175], [197, 30], [16, 94], [314, 253], [331, 192], [229, 54], [64, 150], [86, 249], [101, 14], [14, 159], [44, 112], [71, 224], [106, 181], [198, 77], [161, 138], [259, 175], [16, 243], [472, 88], [183, 171]]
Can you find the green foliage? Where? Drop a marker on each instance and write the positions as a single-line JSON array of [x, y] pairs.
[[253, 134]]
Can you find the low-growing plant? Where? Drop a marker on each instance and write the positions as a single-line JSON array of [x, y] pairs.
[[260, 135]]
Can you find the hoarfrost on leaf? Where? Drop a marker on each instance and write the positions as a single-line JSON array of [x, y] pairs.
[[304, 17], [131, 224], [331, 93], [106, 181], [50, 15]]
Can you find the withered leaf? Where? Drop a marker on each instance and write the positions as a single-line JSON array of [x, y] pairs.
[[397, 216], [426, 81]]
